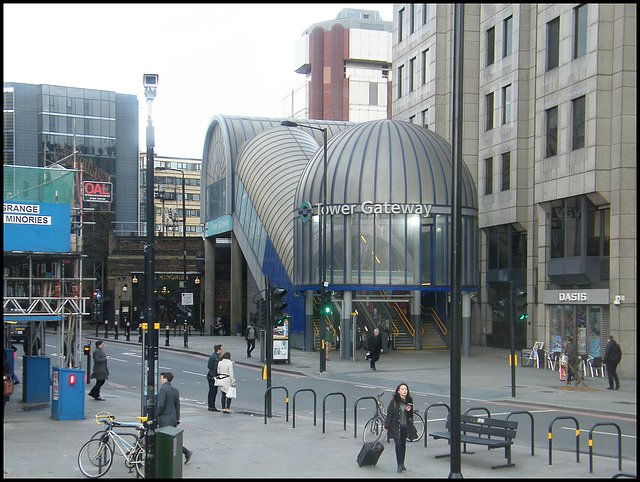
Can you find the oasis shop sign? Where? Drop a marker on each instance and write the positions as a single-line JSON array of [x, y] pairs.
[[366, 207], [576, 297]]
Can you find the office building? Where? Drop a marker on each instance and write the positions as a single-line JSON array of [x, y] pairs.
[[549, 135], [347, 64], [46, 123]]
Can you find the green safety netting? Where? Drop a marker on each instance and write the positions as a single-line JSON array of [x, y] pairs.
[[37, 184]]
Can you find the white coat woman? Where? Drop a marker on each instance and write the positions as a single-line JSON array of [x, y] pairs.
[[226, 379]]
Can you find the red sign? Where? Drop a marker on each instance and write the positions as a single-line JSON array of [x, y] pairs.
[[95, 191]]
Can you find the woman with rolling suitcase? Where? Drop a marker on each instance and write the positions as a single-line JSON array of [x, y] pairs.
[[399, 422]]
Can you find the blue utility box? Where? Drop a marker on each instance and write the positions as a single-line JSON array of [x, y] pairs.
[[67, 394], [35, 373]]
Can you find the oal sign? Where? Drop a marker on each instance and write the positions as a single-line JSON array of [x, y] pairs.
[[99, 192], [366, 207], [576, 297]]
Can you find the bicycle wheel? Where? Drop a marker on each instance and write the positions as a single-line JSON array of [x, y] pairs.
[[138, 461], [95, 458], [372, 430], [102, 435], [418, 422]]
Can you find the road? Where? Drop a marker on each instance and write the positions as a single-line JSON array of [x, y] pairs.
[[190, 378]]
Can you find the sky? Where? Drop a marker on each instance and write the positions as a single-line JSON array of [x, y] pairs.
[[230, 59]]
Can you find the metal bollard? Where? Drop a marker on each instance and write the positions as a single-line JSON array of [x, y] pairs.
[[106, 328], [115, 325], [128, 331], [166, 343]]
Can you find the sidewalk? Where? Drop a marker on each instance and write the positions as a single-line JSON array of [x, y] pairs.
[[241, 445]]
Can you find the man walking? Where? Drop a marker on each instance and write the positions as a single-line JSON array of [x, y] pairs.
[[612, 357], [169, 407], [328, 340], [212, 365], [375, 348], [100, 370], [250, 338]]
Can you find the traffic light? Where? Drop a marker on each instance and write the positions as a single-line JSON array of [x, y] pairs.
[[521, 304], [501, 310], [325, 303], [278, 304], [262, 313]]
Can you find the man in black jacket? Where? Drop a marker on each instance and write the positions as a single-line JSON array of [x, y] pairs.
[[169, 407], [375, 348], [212, 365], [612, 357]]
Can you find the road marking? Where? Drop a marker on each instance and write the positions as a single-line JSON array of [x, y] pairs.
[[193, 373]]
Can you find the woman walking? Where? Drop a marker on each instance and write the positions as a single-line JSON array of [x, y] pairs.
[[399, 422], [225, 367]]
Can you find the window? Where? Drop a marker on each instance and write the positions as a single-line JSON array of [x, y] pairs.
[[412, 119], [553, 43], [425, 118], [506, 171], [413, 21], [580, 31], [491, 45], [506, 104], [425, 66], [552, 131], [489, 105], [400, 24], [507, 34], [578, 123], [412, 73], [400, 72], [426, 13], [488, 182], [506, 248], [373, 93]]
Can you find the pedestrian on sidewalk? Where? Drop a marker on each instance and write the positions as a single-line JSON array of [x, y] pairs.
[[8, 377], [612, 357], [573, 365], [250, 337], [226, 380], [399, 422], [169, 407], [100, 369], [374, 346], [212, 365], [328, 340]]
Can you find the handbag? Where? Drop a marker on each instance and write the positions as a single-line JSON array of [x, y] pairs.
[[218, 378], [231, 393], [8, 387]]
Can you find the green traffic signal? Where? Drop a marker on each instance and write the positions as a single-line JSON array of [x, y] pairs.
[[278, 304], [521, 304]]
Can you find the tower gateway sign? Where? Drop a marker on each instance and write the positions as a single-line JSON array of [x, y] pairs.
[[365, 207]]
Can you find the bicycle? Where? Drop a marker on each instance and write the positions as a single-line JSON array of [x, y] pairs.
[[374, 427], [96, 456]]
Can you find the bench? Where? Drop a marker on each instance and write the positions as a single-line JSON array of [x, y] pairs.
[[483, 428]]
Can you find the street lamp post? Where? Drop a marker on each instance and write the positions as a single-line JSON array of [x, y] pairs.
[[150, 82], [323, 289], [184, 246]]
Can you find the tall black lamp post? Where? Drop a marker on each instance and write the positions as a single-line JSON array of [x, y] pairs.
[[323, 290], [150, 82], [184, 246]]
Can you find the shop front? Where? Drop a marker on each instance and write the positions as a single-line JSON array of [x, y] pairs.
[[582, 314]]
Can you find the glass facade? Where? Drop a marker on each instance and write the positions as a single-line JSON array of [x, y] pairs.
[[582, 322]]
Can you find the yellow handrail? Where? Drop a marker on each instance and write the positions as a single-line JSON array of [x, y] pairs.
[[441, 325]]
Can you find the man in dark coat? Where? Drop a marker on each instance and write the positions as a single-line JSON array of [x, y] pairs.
[[100, 370], [375, 348], [212, 365], [612, 357], [169, 407]]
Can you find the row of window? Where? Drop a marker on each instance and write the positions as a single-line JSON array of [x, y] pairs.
[[416, 17], [414, 81], [505, 183], [185, 166], [507, 40], [579, 37], [177, 212], [507, 101], [577, 127], [177, 181]]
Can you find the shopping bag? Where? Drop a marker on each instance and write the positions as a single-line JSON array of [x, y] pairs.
[[8, 387], [231, 393]]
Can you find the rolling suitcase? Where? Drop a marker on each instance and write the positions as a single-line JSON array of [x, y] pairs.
[[370, 453]]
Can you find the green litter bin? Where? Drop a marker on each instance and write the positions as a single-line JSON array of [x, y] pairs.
[[169, 453]]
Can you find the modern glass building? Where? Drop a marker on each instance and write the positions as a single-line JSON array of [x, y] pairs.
[[44, 123], [387, 212]]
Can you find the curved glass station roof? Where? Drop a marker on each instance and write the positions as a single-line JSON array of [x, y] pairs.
[[388, 206]]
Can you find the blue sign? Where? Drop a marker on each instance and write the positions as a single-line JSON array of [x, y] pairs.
[[37, 227]]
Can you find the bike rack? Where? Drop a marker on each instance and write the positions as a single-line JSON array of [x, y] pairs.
[[532, 424], [293, 416], [577, 437], [265, 402], [324, 400], [355, 413], [426, 432], [591, 445]]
